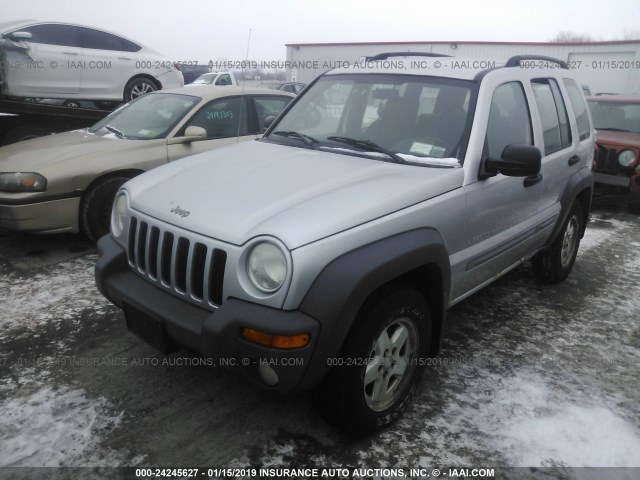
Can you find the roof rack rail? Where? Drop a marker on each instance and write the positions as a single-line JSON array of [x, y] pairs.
[[384, 56], [515, 60]]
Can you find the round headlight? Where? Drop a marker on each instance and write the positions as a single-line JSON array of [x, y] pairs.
[[267, 267], [626, 158], [118, 213]]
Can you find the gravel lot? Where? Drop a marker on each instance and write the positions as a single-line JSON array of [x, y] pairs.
[[529, 375]]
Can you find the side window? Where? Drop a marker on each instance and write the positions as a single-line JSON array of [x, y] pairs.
[[98, 40], [222, 118], [553, 115], [267, 106], [509, 120], [54, 34], [224, 79], [580, 109]]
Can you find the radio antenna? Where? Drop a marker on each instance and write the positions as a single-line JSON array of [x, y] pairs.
[[244, 80]]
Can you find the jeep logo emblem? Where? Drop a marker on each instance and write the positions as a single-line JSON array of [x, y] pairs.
[[178, 211]]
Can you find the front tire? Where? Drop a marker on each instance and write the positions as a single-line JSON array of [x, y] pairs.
[[554, 264], [380, 364], [95, 210]]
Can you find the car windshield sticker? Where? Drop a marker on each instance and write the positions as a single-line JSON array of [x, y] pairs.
[[221, 115], [420, 148]]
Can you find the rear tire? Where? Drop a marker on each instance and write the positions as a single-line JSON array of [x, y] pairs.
[[136, 87], [376, 374], [95, 210], [554, 264]]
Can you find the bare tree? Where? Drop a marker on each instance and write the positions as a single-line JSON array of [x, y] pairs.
[[567, 36], [631, 34]]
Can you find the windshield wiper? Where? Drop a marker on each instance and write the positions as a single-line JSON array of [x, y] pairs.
[[613, 129], [367, 145], [308, 141], [114, 130]]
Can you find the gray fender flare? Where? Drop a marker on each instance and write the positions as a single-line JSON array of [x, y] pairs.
[[580, 185], [341, 288]]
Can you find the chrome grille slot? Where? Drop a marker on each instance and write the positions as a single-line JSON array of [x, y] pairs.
[[187, 265], [198, 264], [141, 253], [181, 256], [132, 240], [165, 259], [216, 277], [154, 240]]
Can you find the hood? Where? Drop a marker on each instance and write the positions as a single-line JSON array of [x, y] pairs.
[[618, 139], [41, 154], [297, 195]]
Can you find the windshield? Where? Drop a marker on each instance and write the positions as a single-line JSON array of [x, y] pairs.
[[412, 117], [147, 117], [617, 116], [205, 79]]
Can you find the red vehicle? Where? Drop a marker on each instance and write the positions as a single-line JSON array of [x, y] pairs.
[[616, 119]]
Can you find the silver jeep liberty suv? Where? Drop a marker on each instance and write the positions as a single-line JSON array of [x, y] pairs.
[[324, 256]]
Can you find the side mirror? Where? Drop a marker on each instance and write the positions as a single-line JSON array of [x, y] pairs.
[[516, 161], [191, 134], [20, 36]]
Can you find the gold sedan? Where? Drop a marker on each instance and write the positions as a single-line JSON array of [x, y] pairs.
[[66, 182]]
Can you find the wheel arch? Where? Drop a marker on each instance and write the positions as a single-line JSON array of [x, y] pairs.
[[137, 76], [418, 258], [127, 172], [580, 189]]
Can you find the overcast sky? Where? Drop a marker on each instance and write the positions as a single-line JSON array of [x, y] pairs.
[[213, 29]]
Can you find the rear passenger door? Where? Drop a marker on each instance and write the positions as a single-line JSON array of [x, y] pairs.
[[559, 160], [108, 61]]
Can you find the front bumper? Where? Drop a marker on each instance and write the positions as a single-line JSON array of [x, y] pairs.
[[51, 216], [168, 323], [616, 189]]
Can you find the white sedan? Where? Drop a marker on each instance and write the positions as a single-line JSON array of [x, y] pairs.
[[60, 60]]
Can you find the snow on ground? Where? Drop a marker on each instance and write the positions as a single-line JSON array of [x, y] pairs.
[[548, 377], [56, 295], [599, 230], [44, 425], [55, 427]]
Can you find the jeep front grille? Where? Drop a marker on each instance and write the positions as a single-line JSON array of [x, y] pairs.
[[190, 268], [607, 161]]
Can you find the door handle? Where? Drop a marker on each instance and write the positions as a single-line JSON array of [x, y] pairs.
[[573, 160], [532, 180], [71, 53]]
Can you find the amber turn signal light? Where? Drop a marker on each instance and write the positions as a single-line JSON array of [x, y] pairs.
[[275, 341]]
